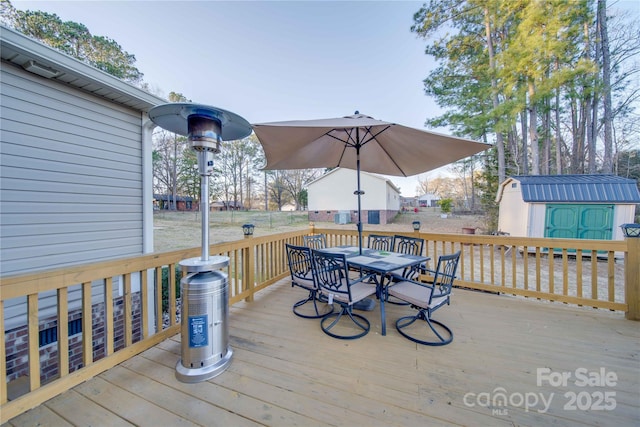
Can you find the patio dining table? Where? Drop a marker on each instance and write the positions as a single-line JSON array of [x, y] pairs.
[[382, 263]]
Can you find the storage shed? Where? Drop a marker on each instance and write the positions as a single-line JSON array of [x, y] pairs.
[[567, 206], [331, 198]]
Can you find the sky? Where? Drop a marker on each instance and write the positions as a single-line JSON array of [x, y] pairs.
[[275, 60]]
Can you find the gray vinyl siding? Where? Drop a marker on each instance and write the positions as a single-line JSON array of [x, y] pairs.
[[71, 174]]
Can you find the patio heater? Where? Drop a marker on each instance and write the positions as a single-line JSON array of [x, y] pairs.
[[205, 350]]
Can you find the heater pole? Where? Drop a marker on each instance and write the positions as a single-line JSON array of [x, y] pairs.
[[204, 204]]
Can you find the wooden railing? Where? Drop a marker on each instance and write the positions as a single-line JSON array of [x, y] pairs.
[[584, 272], [254, 264], [591, 273]]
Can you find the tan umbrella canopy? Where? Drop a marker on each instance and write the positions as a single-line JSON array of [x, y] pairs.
[[362, 143]]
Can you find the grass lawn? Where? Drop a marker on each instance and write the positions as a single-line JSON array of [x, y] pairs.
[[183, 230]]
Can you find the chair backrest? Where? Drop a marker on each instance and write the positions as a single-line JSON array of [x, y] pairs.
[[299, 258], [331, 273], [445, 275], [315, 241], [408, 245], [380, 242]]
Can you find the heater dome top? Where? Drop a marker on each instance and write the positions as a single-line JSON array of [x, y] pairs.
[[174, 118]]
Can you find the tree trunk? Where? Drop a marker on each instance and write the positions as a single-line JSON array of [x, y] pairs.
[[533, 131], [558, 135], [581, 132], [525, 151], [574, 137], [592, 131], [494, 97], [546, 120], [607, 160]]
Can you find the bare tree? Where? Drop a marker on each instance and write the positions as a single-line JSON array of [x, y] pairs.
[[168, 149], [295, 181]]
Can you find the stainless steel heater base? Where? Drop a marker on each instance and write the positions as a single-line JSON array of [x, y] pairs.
[[195, 375]]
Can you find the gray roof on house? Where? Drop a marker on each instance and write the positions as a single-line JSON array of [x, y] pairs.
[[578, 188]]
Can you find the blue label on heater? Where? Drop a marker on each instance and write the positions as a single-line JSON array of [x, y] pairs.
[[198, 336]]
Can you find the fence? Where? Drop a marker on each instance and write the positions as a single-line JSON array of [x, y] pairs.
[[592, 273]]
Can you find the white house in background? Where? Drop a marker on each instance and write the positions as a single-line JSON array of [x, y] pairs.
[[567, 206], [428, 200], [331, 198], [75, 171]]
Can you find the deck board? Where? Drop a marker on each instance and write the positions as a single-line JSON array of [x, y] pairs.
[[79, 410], [175, 401], [128, 405], [286, 371], [40, 416]]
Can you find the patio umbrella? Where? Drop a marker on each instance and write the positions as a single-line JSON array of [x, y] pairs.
[[362, 143]]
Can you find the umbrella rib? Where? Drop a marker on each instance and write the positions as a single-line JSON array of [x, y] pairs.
[[394, 161], [373, 137], [370, 137], [350, 138], [335, 137], [344, 147]]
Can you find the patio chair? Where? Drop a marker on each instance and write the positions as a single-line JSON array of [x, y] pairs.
[[427, 298], [299, 258], [331, 272], [380, 242], [315, 241], [410, 246]]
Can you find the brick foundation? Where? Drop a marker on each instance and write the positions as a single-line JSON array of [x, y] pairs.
[[17, 346]]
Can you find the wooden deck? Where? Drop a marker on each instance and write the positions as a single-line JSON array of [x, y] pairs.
[[285, 371]]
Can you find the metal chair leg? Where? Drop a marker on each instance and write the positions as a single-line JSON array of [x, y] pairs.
[[314, 299], [360, 321], [443, 339]]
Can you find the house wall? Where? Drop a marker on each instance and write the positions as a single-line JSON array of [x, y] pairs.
[[536, 221], [71, 171], [393, 199], [429, 200], [71, 168], [76, 186], [333, 193], [514, 213], [622, 214]]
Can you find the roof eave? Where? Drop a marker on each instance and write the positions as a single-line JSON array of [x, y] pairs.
[[18, 49]]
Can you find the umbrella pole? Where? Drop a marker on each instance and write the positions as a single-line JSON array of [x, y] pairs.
[[359, 192]]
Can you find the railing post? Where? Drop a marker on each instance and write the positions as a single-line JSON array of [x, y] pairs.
[[248, 275], [632, 278]]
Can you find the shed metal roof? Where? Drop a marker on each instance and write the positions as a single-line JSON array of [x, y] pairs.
[[578, 188]]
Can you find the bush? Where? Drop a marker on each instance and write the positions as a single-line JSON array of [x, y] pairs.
[[445, 205], [165, 286]]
